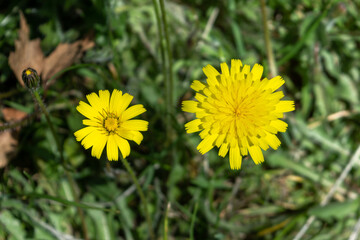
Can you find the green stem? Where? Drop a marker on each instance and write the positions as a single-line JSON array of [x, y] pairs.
[[36, 96], [166, 223], [141, 194], [163, 64], [193, 220], [70, 179], [169, 79], [160, 33], [269, 51]]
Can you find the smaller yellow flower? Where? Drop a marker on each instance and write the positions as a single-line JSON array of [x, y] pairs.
[[110, 123]]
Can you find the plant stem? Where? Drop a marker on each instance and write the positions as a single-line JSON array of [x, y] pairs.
[[36, 96], [141, 194], [70, 179], [193, 220], [163, 65], [170, 83], [269, 51], [166, 222], [160, 33]]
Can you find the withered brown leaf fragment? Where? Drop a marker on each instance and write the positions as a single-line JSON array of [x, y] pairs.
[[8, 139], [64, 56], [11, 114], [28, 53], [8, 146]]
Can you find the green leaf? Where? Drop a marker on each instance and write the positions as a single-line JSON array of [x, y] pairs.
[[12, 225], [336, 211], [69, 203], [307, 34], [103, 228]]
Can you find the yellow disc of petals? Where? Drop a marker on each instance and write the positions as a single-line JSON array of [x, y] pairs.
[[237, 112], [109, 123]]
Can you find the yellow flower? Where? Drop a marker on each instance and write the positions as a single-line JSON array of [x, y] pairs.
[[237, 111], [109, 123]]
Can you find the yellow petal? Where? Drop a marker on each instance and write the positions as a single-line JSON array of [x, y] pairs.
[[273, 141], [136, 125], [244, 145], [82, 133], [89, 140], [277, 95], [115, 101], [112, 149], [94, 101], [138, 137], [98, 141], [123, 103], [199, 97], [123, 145], [197, 85], [211, 74], [193, 126], [223, 149], [224, 69], [236, 64], [88, 111], [207, 143], [285, 106], [276, 82], [204, 133], [104, 96], [257, 71], [235, 158], [190, 106], [281, 126], [256, 154], [133, 111], [263, 144], [100, 102], [135, 136], [246, 69], [220, 140], [93, 123]]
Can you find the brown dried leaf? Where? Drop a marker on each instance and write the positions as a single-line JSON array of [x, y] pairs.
[[64, 56], [11, 114], [7, 145], [8, 142], [28, 53]]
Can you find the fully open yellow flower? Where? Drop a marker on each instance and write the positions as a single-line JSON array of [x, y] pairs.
[[109, 123], [237, 111]]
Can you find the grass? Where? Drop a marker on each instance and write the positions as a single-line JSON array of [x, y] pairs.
[[189, 196]]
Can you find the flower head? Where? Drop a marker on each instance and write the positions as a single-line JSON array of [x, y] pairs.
[[31, 78], [237, 112], [110, 123]]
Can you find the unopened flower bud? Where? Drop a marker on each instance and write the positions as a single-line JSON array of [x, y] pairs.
[[31, 78]]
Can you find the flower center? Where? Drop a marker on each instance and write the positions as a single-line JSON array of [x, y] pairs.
[[241, 110], [238, 113], [111, 124], [28, 72]]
